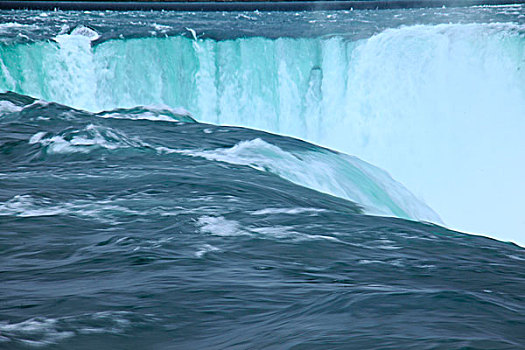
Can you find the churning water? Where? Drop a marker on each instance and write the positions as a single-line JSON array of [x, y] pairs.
[[143, 203]]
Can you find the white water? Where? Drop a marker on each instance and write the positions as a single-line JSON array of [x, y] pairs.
[[442, 108]]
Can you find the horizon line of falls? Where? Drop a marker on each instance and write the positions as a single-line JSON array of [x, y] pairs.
[[440, 107]]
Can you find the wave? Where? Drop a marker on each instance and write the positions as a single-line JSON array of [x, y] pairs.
[[328, 172]]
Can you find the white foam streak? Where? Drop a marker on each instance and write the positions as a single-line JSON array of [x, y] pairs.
[[152, 112], [219, 226], [288, 211], [104, 210], [43, 331], [85, 140], [37, 137], [8, 107], [204, 249], [26, 206]]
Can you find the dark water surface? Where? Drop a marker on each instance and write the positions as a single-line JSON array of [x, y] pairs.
[[129, 233]]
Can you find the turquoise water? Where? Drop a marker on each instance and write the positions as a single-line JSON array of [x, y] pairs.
[[151, 194]]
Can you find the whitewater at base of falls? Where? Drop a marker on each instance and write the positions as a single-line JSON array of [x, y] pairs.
[[440, 107]]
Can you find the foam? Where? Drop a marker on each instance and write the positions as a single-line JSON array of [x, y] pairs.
[[84, 140], [288, 211], [45, 331], [219, 226]]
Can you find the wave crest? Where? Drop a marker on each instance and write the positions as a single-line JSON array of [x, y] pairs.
[[328, 172]]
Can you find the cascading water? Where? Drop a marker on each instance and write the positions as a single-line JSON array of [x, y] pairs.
[[439, 106]]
